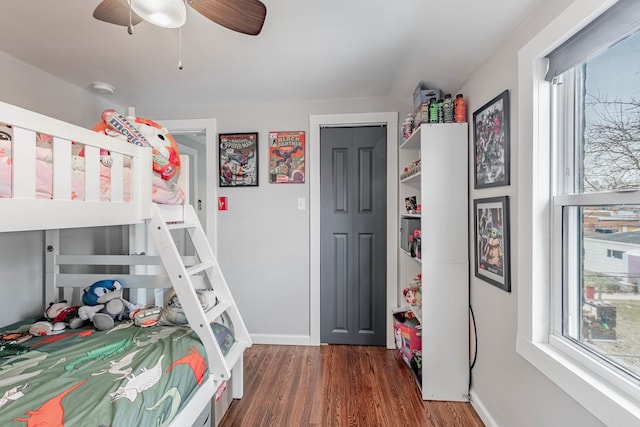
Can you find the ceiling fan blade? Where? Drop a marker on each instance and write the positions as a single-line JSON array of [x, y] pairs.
[[243, 16], [115, 12]]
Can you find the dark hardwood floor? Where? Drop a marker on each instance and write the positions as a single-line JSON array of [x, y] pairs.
[[336, 385]]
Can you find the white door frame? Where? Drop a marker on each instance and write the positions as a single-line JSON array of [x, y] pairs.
[[193, 166], [389, 119], [210, 129]]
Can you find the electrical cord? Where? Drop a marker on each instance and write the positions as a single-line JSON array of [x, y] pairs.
[[475, 336], [475, 348]]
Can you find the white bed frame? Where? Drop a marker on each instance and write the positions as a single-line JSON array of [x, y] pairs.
[[23, 211]]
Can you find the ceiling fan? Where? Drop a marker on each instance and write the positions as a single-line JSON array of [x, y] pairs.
[[243, 16]]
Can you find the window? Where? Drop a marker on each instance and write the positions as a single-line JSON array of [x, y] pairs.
[[612, 253], [596, 106], [572, 213]]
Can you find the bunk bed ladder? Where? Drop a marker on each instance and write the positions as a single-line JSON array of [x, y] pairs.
[[186, 280]]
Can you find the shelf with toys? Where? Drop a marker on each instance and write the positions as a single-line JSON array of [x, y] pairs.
[[413, 178], [433, 280]]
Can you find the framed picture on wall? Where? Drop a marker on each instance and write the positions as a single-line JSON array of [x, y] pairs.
[[491, 143], [238, 159], [492, 260], [286, 157]]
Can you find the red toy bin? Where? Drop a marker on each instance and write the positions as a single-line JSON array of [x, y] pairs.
[[408, 335]]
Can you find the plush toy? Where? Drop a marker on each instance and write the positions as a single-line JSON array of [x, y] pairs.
[[173, 313], [57, 317], [413, 293], [145, 317], [103, 304], [145, 133], [413, 296], [63, 312]]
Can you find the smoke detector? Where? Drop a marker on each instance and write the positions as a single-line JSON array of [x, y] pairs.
[[103, 88]]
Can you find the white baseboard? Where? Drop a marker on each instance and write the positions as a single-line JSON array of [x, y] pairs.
[[482, 411], [281, 339]]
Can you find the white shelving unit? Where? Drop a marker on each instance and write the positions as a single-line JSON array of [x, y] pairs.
[[442, 192]]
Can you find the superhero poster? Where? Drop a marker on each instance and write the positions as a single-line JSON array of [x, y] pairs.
[[238, 157], [286, 157]]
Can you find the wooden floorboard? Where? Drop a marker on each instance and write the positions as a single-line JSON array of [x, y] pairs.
[[335, 386]]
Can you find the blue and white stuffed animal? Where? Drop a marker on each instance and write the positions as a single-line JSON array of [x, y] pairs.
[[103, 304]]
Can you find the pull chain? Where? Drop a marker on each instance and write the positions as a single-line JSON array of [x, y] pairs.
[[130, 27], [180, 49]]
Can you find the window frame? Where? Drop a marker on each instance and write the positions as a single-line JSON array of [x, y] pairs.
[[602, 391]]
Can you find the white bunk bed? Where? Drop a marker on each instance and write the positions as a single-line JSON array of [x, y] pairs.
[[127, 204]]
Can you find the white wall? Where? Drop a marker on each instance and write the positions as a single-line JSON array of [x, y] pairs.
[[263, 239], [21, 254], [506, 389], [30, 88]]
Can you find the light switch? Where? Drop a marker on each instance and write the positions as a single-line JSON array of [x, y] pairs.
[[301, 204]]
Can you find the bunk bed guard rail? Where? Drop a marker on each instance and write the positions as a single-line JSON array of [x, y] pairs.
[[61, 212]]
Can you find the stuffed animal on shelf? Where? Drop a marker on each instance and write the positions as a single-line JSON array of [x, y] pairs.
[[413, 296], [103, 304], [413, 293], [145, 133]]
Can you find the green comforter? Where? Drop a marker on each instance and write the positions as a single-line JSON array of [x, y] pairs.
[[127, 376]]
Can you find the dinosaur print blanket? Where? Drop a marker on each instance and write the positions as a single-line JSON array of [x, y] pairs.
[[126, 376]]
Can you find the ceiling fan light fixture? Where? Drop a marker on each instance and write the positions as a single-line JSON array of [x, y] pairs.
[[164, 13]]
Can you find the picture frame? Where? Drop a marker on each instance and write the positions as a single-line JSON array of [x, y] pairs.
[[238, 159], [492, 241], [286, 157], [411, 204], [492, 145]]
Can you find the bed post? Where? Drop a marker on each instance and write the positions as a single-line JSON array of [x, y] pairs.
[[51, 250], [137, 246], [237, 379]]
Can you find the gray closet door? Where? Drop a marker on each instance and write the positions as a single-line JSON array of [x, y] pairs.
[[353, 203]]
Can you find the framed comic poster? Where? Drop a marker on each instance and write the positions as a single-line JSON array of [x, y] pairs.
[[238, 159], [492, 261], [286, 157], [491, 143]]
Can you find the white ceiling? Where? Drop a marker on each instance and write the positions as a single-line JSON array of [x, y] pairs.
[[308, 49]]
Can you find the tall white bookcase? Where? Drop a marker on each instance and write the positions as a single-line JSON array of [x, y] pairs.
[[441, 189]]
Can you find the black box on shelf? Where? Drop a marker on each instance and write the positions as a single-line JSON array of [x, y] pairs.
[[407, 227]]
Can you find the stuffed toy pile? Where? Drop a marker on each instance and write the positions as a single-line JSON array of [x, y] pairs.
[[102, 306]]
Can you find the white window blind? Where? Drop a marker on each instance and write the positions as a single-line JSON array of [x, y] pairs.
[[619, 21]]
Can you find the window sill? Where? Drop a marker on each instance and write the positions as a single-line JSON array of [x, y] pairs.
[[604, 400]]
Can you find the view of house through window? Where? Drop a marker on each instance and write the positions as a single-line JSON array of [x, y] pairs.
[[600, 207]]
